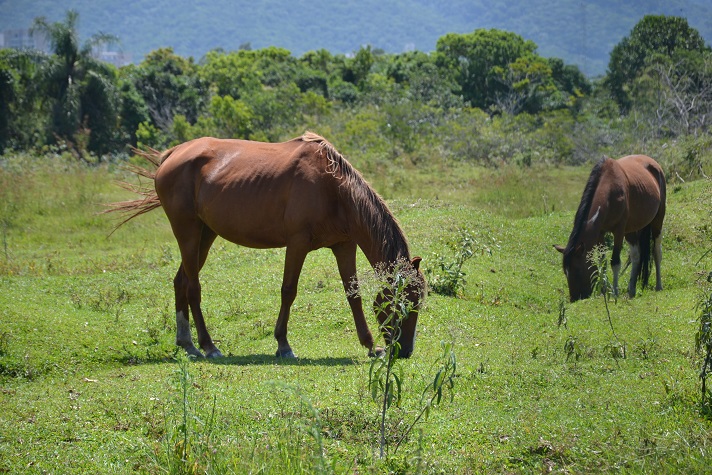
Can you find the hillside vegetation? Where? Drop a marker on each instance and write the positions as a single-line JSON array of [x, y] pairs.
[[581, 33]]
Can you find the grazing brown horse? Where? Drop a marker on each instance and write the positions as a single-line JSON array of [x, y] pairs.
[[625, 197], [302, 195]]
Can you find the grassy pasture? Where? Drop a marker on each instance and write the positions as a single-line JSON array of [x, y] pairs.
[[90, 382]]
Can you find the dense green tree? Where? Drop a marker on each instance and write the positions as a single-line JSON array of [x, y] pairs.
[[232, 118], [256, 93], [7, 97], [231, 74], [170, 85], [425, 82], [570, 82], [652, 37], [133, 107], [23, 103], [471, 59], [525, 84], [239, 73], [81, 88], [357, 69]]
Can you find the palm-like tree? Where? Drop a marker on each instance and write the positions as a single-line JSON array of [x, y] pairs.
[[82, 88]]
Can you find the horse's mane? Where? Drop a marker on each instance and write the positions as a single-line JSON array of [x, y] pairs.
[[375, 216], [584, 208]]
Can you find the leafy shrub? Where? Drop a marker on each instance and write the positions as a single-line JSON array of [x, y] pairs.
[[703, 341], [448, 278]]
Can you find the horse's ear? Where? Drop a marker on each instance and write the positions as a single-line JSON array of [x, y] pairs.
[[559, 248], [416, 262]]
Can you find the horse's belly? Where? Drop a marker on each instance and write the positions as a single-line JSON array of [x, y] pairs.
[[250, 228]]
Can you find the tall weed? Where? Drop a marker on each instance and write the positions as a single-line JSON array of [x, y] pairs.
[[703, 341], [386, 379], [187, 445], [447, 277], [601, 285]]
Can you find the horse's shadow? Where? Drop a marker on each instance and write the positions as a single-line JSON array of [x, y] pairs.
[[267, 359]]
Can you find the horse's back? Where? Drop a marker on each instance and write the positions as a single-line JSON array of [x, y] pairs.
[[256, 194], [646, 188], [644, 174], [241, 153]]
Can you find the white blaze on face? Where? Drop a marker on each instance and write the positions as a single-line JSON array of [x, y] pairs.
[[595, 216]]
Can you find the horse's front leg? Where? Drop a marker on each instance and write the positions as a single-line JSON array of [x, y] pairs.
[[345, 254], [616, 260], [634, 264], [293, 262]]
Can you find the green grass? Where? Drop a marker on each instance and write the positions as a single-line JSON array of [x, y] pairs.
[[89, 381]]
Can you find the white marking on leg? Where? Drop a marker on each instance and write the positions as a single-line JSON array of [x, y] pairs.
[[183, 330], [183, 338]]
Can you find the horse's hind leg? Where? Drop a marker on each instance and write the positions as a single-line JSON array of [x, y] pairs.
[[635, 266], [658, 257], [194, 252], [183, 337]]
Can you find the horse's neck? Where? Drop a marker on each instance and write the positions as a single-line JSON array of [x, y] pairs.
[[594, 227], [376, 232], [379, 253], [376, 254]]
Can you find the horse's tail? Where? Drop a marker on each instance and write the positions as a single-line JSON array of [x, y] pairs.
[[645, 240], [149, 199]]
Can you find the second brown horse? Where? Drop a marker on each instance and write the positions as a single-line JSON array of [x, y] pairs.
[[625, 197], [302, 195]]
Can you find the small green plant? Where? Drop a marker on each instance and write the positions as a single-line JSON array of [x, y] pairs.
[[703, 341], [442, 385], [562, 312], [601, 285], [187, 446], [448, 278], [386, 376], [296, 454]]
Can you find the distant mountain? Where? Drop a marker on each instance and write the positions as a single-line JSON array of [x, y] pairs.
[[581, 32]]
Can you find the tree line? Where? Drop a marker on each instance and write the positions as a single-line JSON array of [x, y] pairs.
[[485, 96]]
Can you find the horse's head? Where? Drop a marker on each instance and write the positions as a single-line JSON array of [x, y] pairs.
[[397, 305], [578, 272]]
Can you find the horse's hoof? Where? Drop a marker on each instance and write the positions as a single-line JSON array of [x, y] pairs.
[[214, 354], [378, 352], [286, 354], [193, 353]]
